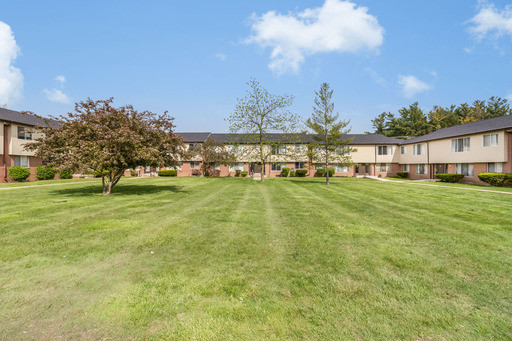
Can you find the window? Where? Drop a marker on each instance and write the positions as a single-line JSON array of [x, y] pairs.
[[460, 145], [194, 164], [236, 166], [278, 150], [384, 150], [343, 151], [24, 134], [320, 165], [421, 168], [340, 168], [495, 167], [490, 140], [236, 149], [191, 145], [215, 165], [300, 148], [465, 169], [300, 165], [405, 168], [22, 161], [418, 149], [277, 166], [178, 166], [403, 150], [148, 169], [383, 167]]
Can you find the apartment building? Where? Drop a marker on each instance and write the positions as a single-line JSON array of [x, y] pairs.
[[469, 149], [16, 130]]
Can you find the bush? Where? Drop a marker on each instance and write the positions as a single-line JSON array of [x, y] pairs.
[[331, 171], [403, 175], [45, 173], [168, 172], [18, 173], [285, 171], [497, 179], [301, 172], [244, 173], [320, 172], [292, 174], [449, 177], [237, 172], [133, 172], [66, 174]]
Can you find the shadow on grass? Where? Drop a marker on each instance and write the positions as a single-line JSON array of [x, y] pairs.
[[120, 190]]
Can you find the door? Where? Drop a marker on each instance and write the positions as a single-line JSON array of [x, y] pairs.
[[255, 167]]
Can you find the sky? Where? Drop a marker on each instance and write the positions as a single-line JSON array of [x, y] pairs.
[[194, 58]]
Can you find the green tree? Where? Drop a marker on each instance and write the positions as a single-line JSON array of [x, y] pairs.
[[211, 152], [328, 131], [108, 140], [257, 117]]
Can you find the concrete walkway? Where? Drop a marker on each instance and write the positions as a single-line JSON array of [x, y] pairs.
[[409, 182]]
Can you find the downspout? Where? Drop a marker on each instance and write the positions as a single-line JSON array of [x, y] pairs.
[[430, 171], [375, 162], [6, 148]]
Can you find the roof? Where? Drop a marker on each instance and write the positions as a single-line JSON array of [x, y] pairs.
[[359, 139], [492, 124], [7, 115]]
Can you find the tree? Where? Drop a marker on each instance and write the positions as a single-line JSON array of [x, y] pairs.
[[328, 131], [211, 152], [110, 140], [256, 117]]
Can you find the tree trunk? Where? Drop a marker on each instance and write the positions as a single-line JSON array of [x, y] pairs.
[[103, 182], [326, 171]]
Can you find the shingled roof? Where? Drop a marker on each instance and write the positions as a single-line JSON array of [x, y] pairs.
[[359, 139], [7, 115], [492, 124]]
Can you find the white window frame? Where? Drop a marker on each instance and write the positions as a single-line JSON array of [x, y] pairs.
[[418, 149], [277, 166], [461, 145], [421, 169], [300, 148], [405, 168], [498, 167], [22, 160], [340, 168], [299, 163], [383, 167], [195, 164], [492, 140], [236, 166], [384, 150], [465, 169], [403, 150]]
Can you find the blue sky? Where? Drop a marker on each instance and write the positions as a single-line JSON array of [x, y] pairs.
[[193, 58]]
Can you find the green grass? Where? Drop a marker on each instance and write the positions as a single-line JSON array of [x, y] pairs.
[[227, 258]]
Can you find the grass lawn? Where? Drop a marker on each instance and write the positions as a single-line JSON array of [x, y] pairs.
[[225, 258]]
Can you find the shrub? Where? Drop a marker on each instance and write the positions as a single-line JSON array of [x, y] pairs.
[[301, 172], [133, 172], [285, 171], [292, 174], [18, 173], [66, 174], [320, 172], [497, 179], [168, 172], [237, 172], [331, 171], [449, 177], [45, 173], [244, 173], [403, 175]]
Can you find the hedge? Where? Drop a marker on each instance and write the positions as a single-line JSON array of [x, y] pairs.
[[66, 174], [403, 175], [45, 173], [285, 171], [133, 172], [292, 174], [449, 177], [97, 173], [301, 172], [18, 173], [320, 172], [168, 172], [244, 173], [331, 172], [497, 179]]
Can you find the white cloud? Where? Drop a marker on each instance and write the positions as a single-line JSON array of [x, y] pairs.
[[412, 85], [337, 26], [61, 79], [509, 97], [490, 21], [55, 95], [222, 57], [11, 79]]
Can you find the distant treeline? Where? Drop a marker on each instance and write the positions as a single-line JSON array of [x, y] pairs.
[[412, 121]]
